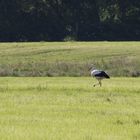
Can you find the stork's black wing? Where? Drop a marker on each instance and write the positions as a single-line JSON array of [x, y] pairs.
[[102, 74]]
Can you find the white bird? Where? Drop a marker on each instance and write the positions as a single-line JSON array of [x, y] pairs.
[[99, 75]]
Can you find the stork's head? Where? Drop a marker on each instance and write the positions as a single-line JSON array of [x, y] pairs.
[[91, 67]]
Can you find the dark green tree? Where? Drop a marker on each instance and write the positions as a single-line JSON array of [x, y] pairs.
[[36, 20]]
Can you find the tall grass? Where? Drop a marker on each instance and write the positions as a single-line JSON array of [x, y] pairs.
[[69, 108], [69, 58]]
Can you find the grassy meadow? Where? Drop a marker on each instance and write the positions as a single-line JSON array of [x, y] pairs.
[[69, 58], [69, 108]]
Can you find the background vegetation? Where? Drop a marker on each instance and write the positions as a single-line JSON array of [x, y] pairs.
[[69, 58], [49, 20]]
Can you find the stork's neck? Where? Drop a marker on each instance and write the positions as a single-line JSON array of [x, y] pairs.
[[93, 69]]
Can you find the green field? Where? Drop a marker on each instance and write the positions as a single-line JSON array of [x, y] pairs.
[[69, 108], [69, 58]]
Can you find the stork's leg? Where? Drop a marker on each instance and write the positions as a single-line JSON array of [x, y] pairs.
[[100, 83], [96, 84]]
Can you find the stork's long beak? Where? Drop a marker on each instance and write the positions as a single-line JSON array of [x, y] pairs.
[[90, 68]]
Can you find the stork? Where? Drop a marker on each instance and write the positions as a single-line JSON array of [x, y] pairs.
[[99, 75]]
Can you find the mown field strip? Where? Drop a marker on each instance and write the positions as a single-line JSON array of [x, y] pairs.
[[69, 58]]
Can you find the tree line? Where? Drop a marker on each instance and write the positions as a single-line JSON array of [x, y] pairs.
[[62, 20]]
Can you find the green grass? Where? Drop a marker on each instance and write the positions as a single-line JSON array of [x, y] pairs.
[[68, 108], [69, 58]]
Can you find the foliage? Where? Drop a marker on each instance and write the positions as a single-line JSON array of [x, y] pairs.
[[51, 20]]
